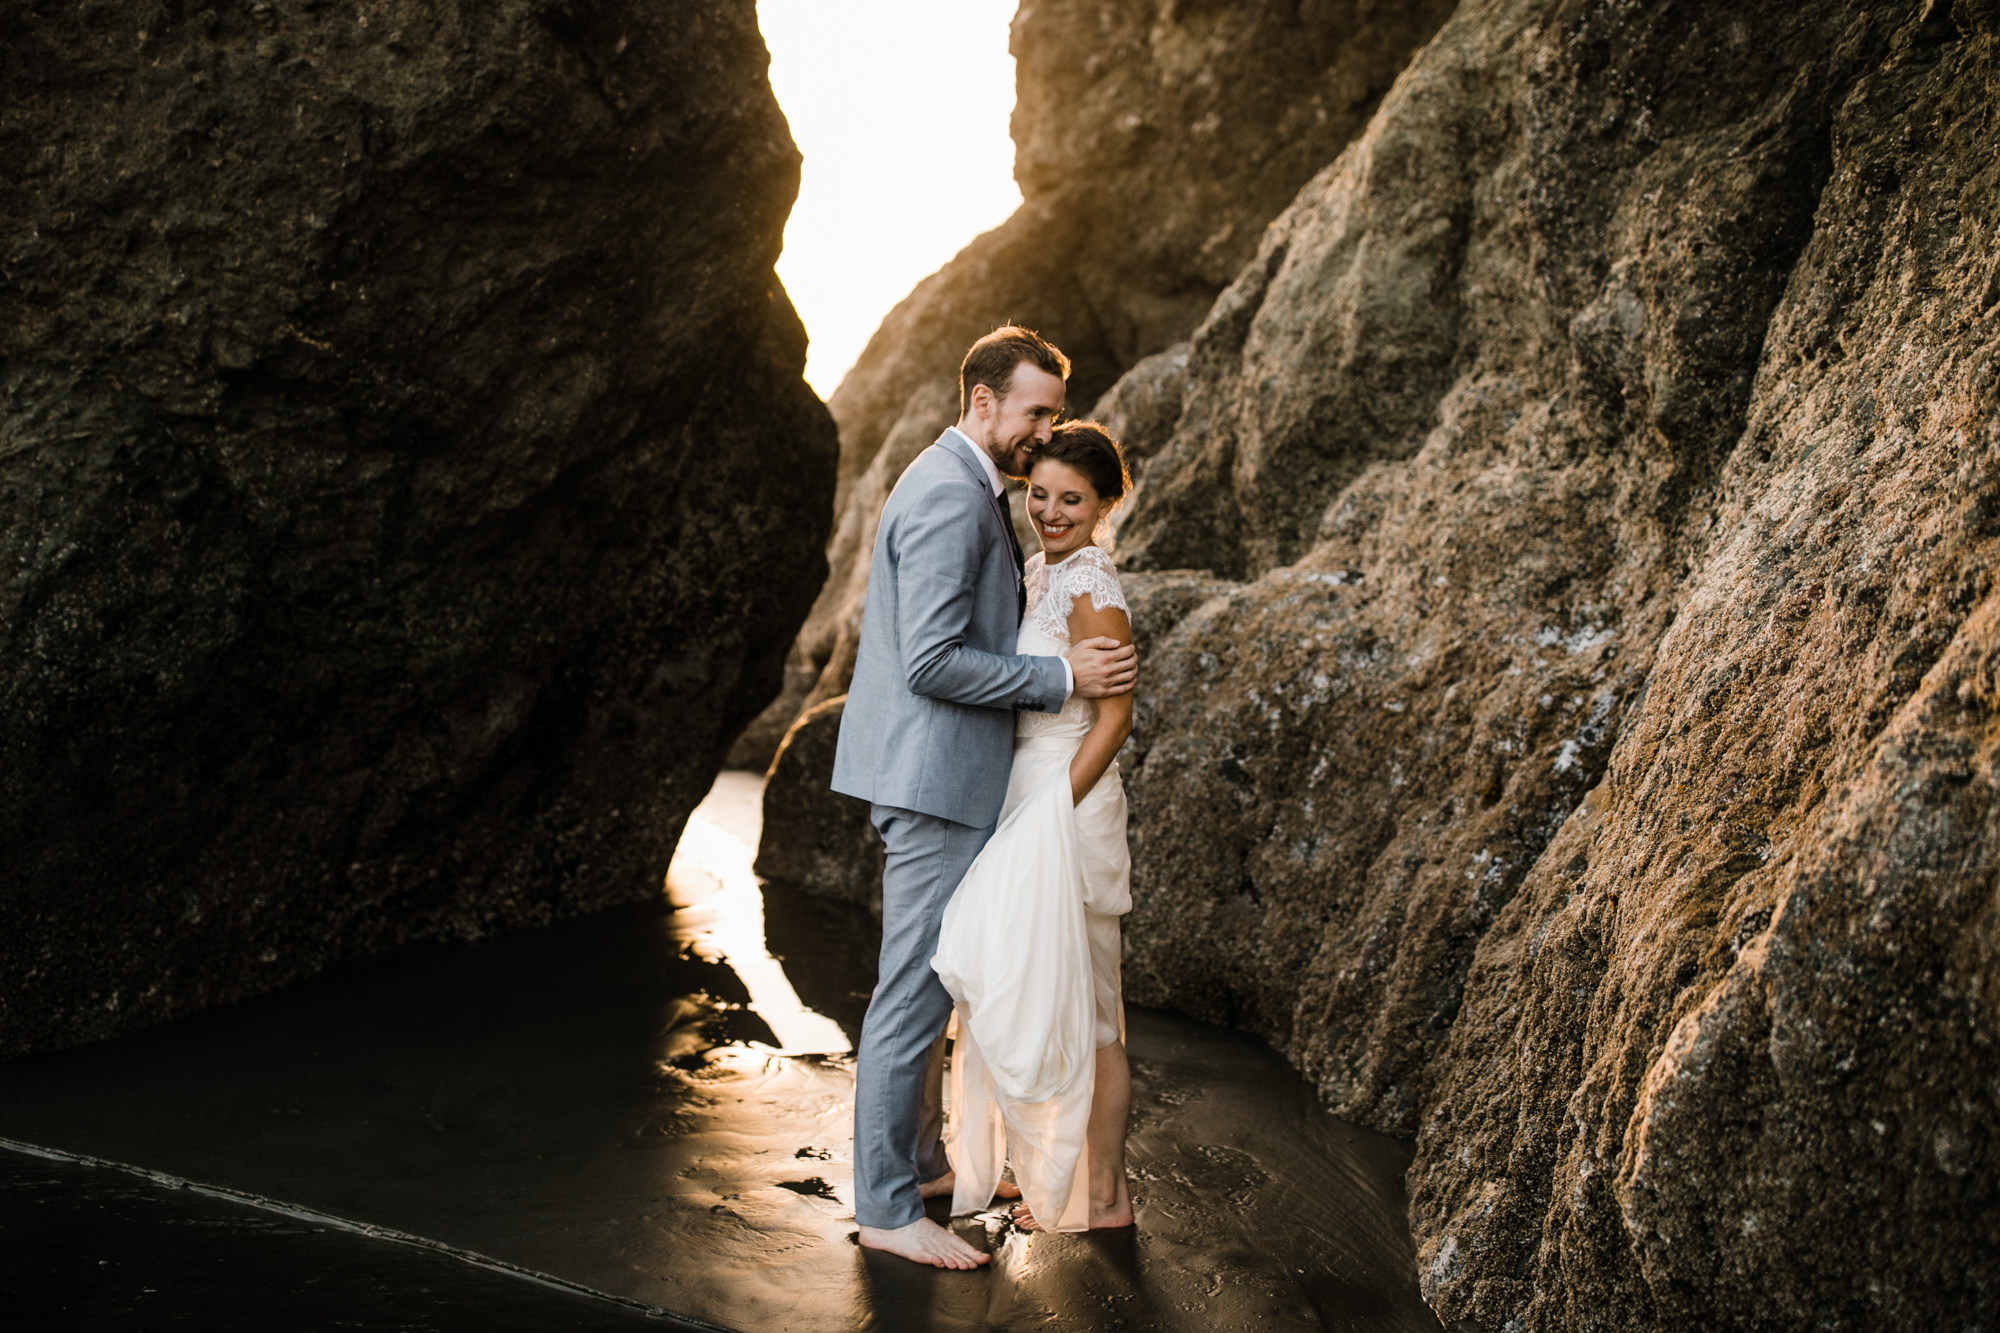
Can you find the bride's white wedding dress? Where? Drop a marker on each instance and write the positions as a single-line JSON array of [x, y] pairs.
[[1029, 946]]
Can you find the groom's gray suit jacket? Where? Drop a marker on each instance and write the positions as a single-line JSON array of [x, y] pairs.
[[929, 721]]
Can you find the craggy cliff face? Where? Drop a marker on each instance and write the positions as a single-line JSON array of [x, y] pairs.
[[1564, 569], [1590, 769], [1154, 140], [407, 487]]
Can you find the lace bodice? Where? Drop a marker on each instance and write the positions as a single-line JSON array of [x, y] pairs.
[[1052, 594]]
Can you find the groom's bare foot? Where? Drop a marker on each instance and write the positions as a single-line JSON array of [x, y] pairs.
[[937, 1189], [925, 1242]]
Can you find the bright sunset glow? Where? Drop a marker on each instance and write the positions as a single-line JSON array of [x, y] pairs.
[[900, 108]]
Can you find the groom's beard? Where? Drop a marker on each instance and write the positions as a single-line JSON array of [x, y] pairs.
[[1018, 462], [1014, 463]]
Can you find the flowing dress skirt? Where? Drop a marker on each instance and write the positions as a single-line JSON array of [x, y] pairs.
[[1029, 950]]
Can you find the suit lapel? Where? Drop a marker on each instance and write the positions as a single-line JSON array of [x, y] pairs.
[[953, 443]]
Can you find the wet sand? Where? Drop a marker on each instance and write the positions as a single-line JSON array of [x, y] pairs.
[[653, 1103], [91, 1246]]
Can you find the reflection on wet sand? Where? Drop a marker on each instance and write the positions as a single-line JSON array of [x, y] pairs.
[[719, 913], [654, 1102]]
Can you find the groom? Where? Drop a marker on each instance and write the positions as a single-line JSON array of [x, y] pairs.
[[927, 738]]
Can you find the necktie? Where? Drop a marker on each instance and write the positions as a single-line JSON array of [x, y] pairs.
[[1014, 547]]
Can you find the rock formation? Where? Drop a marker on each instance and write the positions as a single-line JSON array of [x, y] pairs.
[[828, 847], [409, 489], [1153, 142], [1591, 771], [1577, 747]]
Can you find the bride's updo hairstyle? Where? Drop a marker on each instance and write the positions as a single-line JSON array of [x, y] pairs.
[[1089, 448]]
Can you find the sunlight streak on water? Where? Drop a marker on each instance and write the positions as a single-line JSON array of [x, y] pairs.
[[720, 911]]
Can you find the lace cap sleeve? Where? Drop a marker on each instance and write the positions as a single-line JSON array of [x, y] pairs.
[[1091, 571]]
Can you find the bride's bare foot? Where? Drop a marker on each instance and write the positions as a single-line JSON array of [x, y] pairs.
[[937, 1189], [1108, 1216], [925, 1242], [1116, 1213]]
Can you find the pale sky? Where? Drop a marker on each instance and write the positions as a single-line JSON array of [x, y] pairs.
[[900, 108]]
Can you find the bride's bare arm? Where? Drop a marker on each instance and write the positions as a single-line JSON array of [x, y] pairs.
[[1114, 712]]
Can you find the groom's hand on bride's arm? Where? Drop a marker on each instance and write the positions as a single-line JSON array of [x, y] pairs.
[[1104, 667]]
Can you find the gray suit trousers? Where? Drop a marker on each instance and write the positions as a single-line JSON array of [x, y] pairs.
[[898, 1109]]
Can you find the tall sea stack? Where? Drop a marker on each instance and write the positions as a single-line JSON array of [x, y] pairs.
[[407, 485]]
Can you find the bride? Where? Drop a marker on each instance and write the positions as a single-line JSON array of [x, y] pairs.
[[1029, 945]]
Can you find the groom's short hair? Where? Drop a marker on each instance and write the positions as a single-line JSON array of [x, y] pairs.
[[992, 359]]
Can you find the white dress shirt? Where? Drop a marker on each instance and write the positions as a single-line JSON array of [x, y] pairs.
[[999, 488]]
